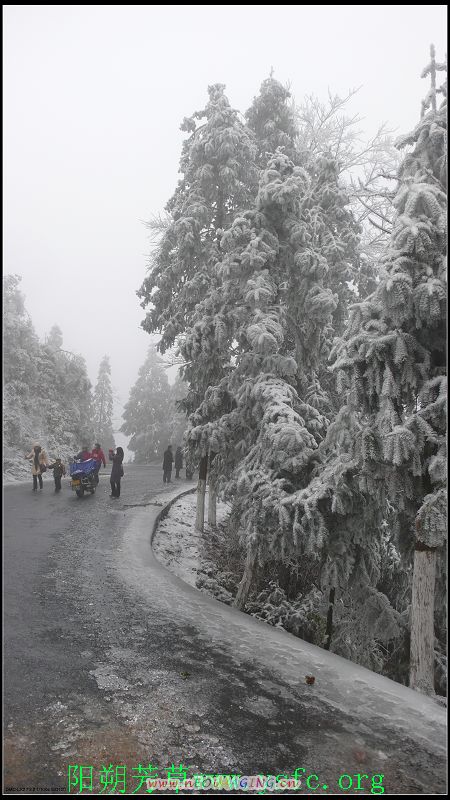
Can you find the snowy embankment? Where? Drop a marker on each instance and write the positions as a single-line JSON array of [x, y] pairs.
[[351, 720], [178, 545], [15, 468], [192, 556]]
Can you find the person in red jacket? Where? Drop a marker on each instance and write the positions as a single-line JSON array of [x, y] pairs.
[[83, 455], [99, 456]]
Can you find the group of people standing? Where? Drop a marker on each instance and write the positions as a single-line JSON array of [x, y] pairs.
[[99, 457], [168, 460], [97, 454], [40, 464]]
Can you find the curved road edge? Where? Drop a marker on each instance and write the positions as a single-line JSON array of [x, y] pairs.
[[371, 699]]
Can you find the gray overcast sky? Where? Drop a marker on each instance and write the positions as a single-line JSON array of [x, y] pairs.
[[93, 100]]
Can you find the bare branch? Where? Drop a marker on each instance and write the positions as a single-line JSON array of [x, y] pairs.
[[383, 230]]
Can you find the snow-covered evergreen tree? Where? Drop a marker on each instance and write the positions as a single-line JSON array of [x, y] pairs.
[[148, 413], [217, 165], [393, 353], [253, 299], [183, 288], [55, 338], [64, 401], [330, 252], [268, 417], [208, 347], [20, 347], [271, 118], [46, 392], [103, 406], [179, 422], [336, 235], [79, 388], [341, 514], [267, 433]]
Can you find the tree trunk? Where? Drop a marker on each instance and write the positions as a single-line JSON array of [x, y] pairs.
[[421, 676], [246, 581], [329, 629], [212, 506], [201, 490], [212, 498]]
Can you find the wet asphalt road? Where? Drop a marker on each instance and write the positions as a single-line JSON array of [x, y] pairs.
[[109, 659], [59, 617]]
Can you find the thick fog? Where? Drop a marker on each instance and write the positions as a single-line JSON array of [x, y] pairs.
[[93, 100]]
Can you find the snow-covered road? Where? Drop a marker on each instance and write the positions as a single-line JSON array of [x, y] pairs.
[[111, 659]]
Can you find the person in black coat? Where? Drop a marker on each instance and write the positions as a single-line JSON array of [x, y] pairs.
[[167, 465], [116, 472], [58, 471]]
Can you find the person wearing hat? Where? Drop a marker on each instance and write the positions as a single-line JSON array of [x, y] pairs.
[[39, 464]]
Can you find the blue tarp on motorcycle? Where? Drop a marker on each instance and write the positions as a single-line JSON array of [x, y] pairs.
[[83, 466]]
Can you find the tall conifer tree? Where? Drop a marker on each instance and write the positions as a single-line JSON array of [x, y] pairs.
[[393, 352], [148, 413], [103, 406]]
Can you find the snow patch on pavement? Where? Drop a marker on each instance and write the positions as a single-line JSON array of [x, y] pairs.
[[106, 679]]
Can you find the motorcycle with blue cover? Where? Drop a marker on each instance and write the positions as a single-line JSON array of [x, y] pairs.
[[83, 476]]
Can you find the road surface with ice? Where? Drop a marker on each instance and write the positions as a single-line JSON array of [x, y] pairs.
[[111, 659]]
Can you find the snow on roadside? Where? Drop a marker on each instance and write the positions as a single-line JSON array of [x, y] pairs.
[[11, 479], [178, 545], [182, 549], [15, 468]]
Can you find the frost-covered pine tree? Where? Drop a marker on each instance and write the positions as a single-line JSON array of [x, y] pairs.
[[79, 388], [208, 348], [254, 419], [103, 406], [179, 421], [148, 413], [329, 253], [20, 348], [393, 353], [340, 514], [55, 338], [217, 165], [47, 393], [67, 401], [271, 118], [218, 178], [266, 417]]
